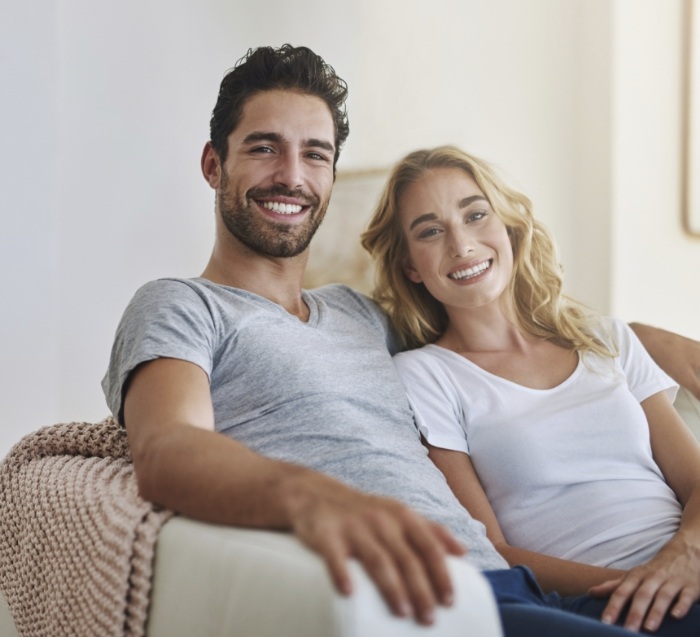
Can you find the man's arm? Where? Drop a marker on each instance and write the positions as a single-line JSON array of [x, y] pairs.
[[677, 355], [182, 464]]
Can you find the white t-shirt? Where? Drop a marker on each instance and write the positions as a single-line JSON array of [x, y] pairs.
[[568, 471]]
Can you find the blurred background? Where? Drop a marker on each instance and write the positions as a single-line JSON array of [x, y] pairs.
[[105, 109]]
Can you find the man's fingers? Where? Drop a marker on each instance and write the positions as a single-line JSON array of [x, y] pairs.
[[408, 563], [336, 557], [450, 543], [418, 584], [403, 553], [382, 569], [416, 555], [430, 543]]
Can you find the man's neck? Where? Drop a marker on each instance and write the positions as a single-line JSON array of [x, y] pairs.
[[276, 279]]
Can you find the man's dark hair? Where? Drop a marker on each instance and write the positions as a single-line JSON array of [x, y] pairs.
[[266, 69]]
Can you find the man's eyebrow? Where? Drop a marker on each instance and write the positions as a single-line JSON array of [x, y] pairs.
[[319, 143], [263, 136]]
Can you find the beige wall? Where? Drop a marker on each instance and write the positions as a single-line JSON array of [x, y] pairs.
[[105, 111]]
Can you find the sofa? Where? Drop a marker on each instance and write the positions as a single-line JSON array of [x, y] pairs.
[[82, 554], [209, 580], [228, 582]]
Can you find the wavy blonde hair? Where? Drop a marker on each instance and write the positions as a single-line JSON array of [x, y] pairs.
[[535, 287]]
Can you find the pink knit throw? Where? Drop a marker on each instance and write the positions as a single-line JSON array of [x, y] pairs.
[[76, 540]]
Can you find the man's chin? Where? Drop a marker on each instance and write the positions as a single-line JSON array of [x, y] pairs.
[[277, 249]]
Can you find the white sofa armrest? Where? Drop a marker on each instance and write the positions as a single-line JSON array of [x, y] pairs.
[[7, 626], [222, 581], [689, 408]]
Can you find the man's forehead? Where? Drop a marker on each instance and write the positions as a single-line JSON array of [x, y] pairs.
[[287, 113]]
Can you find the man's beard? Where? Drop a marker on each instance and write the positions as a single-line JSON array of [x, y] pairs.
[[262, 235]]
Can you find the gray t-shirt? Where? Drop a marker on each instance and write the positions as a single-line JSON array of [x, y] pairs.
[[323, 394]]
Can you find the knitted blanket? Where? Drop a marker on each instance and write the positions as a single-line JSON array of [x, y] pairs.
[[76, 540]]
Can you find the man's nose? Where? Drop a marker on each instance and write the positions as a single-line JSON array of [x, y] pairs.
[[289, 171]]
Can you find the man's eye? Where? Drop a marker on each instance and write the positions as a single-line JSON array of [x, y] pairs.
[[317, 157], [261, 149]]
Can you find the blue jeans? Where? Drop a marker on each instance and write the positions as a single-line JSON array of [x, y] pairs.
[[527, 612]]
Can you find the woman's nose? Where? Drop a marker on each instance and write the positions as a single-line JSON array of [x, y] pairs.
[[461, 244]]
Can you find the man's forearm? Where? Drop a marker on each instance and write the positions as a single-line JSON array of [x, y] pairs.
[[210, 477]]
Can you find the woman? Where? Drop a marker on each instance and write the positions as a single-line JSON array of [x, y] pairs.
[[552, 426]]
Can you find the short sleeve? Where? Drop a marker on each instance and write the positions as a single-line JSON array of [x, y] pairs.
[[165, 319], [433, 399], [644, 376]]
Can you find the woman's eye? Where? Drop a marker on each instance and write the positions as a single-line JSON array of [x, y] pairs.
[[477, 215], [427, 233]]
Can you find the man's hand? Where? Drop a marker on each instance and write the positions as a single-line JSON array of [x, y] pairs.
[[403, 553], [668, 583], [677, 355]]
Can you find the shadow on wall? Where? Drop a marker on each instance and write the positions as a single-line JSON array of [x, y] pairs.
[[336, 253]]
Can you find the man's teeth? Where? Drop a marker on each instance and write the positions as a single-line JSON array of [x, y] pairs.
[[282, 208], [470, 273]]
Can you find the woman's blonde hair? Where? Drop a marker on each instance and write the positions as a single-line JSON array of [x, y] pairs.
[[535, 287]]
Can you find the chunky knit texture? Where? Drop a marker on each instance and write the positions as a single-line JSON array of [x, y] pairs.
[[76, 539]]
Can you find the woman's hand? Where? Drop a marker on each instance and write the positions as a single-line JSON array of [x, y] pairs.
[[667, 584]]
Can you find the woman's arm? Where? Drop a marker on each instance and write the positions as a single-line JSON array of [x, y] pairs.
[[677, 355], [553, 574], [670, 580]]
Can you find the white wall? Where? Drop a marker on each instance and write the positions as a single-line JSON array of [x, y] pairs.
[[656, 268], [105, 109], [29, 338]]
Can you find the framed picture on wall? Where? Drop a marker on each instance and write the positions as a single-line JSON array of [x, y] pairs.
[[691, 133], [336, 254]]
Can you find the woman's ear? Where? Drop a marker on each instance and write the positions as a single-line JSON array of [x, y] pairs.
[[411, 273]]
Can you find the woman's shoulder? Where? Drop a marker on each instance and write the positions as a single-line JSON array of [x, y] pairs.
[[613, 332], [427, 357]]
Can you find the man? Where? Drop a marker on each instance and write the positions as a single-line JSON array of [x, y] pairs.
[[319, 438]]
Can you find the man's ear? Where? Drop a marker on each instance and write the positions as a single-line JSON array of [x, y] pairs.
[[410, 272], [211, 165]]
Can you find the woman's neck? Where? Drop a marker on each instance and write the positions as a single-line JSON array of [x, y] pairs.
[[491, 328], [489, 338]]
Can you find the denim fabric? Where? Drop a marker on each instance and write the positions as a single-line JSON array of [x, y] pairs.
[[526, 611]]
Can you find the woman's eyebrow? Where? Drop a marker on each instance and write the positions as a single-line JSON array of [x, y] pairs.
[[470, 200], [428, 216]]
